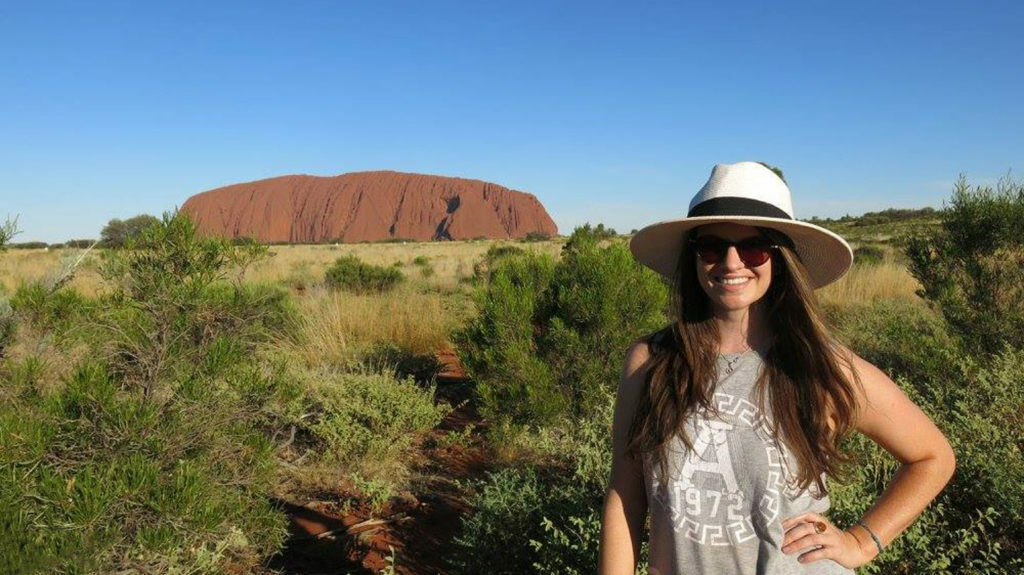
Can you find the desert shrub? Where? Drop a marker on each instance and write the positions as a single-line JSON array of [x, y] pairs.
[[978, 405], [351, 274], [423, 262], [96, 478], [495, 253], [170, 305], [972, 266], [598, 232], [868, 255], [544, 519], [102, 474], [370, 415], [56, 312], [549, 338], [904, 339], [498, 348], [536, 237]]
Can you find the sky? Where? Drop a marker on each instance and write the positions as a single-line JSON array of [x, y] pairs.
[[608, 112]]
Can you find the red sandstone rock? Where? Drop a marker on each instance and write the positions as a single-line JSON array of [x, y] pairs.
[[367, 206]]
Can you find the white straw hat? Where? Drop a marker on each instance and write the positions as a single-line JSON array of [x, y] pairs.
[[751, 194]]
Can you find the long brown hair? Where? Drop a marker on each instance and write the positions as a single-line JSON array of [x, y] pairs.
[[802, 375]]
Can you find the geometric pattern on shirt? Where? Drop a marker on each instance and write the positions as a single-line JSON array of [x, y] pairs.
[[689, 499]]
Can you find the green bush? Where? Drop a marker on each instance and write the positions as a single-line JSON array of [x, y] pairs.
[[549, 338], [96, 478], [156, 453], [544, 519], [495, 253], [171, 304], [978, 405], [868, 255], [972, 267], [351, 274], [372, 415]]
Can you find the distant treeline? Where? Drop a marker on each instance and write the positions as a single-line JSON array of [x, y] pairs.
[[44, 245], [883, 217]]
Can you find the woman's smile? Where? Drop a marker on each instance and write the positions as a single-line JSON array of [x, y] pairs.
[[731, 283]]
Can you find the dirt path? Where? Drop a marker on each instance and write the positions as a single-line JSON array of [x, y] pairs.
[[418, 526]]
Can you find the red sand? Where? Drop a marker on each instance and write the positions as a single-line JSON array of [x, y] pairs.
[[419, 526]]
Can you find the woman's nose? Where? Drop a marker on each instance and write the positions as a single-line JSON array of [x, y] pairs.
[[732, 259]]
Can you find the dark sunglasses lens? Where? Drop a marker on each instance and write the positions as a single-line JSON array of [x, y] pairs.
[[710, 250], [754, 255]]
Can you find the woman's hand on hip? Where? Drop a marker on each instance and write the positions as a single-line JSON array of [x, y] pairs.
[[805, 535]]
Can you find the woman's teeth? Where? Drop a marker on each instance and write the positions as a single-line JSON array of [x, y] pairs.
[[733, 281]]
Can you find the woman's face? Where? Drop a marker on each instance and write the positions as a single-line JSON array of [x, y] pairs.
[[731, 284]]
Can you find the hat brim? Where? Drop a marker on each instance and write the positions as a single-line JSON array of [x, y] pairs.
[[825, 255]]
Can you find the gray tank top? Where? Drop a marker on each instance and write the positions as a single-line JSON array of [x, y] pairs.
[[723, 508]]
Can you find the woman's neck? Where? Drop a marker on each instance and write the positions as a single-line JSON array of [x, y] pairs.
[[741, 330]]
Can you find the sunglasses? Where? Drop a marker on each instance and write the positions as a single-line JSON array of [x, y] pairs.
[[752, 251]]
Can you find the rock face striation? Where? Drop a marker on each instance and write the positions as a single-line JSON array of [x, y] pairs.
[[367, 206]]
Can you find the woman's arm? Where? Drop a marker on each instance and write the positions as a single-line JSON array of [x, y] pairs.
[[896, 424], [625, 506]]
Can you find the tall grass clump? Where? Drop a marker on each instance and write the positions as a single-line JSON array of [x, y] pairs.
[[972, 266], [352, 274]]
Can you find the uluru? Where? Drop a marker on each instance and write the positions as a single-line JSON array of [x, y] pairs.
[[367, 206]]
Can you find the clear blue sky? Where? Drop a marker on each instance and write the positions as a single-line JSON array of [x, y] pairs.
[[608, 112]]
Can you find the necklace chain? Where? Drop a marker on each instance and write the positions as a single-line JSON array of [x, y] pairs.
[[730, 364]]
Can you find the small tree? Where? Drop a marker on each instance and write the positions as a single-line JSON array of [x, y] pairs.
[[778, 171], [8, 230], [972, 267], [117, 232], [170, 311]]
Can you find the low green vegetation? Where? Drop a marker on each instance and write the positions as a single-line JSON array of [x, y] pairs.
[[351, 274], [151, 428]]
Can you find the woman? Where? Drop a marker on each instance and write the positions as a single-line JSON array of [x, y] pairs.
[[727, 422]]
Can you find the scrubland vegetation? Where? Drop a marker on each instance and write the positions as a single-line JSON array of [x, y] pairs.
[[159, 401]]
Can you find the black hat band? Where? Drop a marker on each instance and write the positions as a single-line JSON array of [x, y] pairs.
[[735, 206]]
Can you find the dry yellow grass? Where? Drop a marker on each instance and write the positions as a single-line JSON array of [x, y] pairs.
[[336, 328], [451, 261], [865, 284], [18, 266]]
